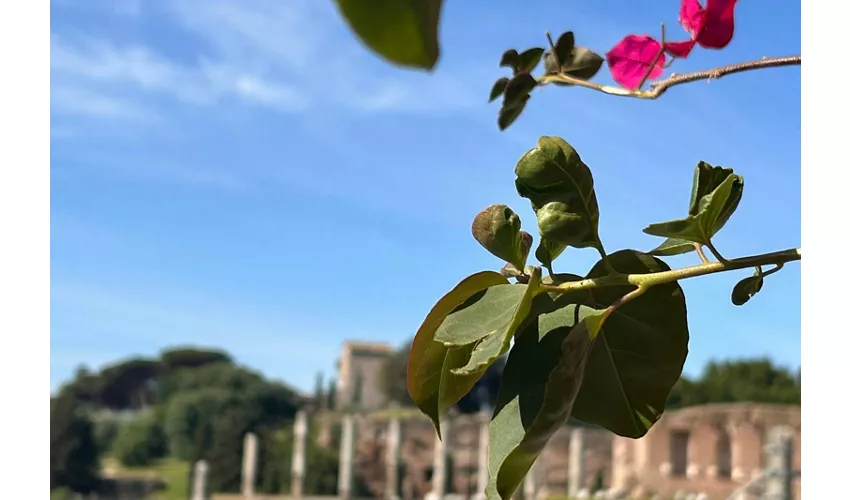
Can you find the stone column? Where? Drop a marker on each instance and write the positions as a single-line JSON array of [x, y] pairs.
[[575, 462], [249, 465], [779, 456], [346, 458], [438, 479], [393, 447], [299, 452], [199, 481], [483, 449]]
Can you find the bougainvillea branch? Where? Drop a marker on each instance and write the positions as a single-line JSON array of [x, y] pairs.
[[653, 279], [660, 87], [604, 347]]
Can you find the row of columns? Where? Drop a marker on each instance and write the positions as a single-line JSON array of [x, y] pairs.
[[393, 456]]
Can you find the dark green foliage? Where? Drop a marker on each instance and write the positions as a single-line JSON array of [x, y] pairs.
[[748, 380], [188, 357], [322, 465], [225, 455], [129, 384], [74, 456], [106, 427], [331, 395], [189, 421], [141, 441]]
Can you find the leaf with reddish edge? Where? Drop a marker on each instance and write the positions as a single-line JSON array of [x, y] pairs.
[[711, 27], [630, 60]]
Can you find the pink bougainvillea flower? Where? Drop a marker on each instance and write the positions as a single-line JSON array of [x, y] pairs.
[[711, 27], [630, 60]]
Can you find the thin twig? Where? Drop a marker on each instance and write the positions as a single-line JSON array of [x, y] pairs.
[[652, 279], [659, 87], [552, 52], [701, 254], [654, 60]]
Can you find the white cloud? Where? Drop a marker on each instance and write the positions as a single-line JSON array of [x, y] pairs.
[[98, 63], [72, 101], [288, 56]]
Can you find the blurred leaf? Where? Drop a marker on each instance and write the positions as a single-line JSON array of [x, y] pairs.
[[529, 59], [583, 64], [498, 88], [540, 383], [509, 113], [404, 32], [577, 62], [518, 87], [510, 59], [430, 381]]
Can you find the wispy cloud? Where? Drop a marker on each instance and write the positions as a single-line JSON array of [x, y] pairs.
[[99, 63], [287, 56], [75, 101]]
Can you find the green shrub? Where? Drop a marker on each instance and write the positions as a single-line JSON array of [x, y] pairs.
[[140, 441]]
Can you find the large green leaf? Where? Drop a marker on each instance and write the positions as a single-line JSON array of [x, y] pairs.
[[560, 188], [715, 195], [404, 32], [488, 322], [430, 381], [639, 353], [540, 383]]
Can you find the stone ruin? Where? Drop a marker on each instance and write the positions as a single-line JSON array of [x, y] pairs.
[[708, 452]]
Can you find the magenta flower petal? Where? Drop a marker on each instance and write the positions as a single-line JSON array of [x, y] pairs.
[[719, 24], [679, 49], [630, 60]]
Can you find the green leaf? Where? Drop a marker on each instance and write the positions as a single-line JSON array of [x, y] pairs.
[[498, 88], [583, 63], [497, 229], [710, 217], [539, 386], [487, 322], [672, 246], [430, 381], [404, 32], [560, 188], [547, 251], [509, 113], [510, 59], [707, 179], [639, 353], [529, 59], [577, 62], [564, 47], [747, 288], [715, 194], [519, 87]]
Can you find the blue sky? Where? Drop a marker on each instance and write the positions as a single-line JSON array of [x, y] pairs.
[[243, 174]]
